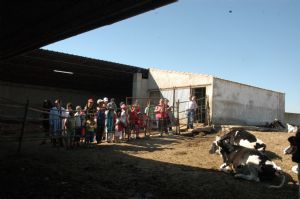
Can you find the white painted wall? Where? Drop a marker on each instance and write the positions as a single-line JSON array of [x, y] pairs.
[[235, 103]]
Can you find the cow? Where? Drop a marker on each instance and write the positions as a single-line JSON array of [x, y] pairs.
[[292, 128], [249, 164], [292, 149], [239, 138]]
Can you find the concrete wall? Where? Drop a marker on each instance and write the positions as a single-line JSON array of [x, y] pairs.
[[292, 118], [209, 94], [235, 103]]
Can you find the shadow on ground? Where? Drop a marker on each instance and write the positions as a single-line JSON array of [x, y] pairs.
[[112, 171]]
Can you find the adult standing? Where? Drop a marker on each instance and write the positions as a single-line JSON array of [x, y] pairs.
[[56, 118], [160, 113], [47, 105], [90, 112], [190, 111]]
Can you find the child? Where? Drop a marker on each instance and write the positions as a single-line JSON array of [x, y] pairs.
[[135, 112], [149, 117], [110, 120], [90, 129], [79, 121], [100, 115], [70, 130], [124, 118], [119, 128], [169, 115]]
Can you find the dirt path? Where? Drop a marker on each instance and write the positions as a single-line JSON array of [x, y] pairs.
[[167, 167]]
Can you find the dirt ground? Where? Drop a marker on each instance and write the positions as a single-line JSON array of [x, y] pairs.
[[171, 166]]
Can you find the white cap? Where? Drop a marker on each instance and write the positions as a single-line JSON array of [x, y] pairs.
[[99, 100], [105, 99]]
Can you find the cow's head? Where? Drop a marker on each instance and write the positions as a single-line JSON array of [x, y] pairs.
[[260, 146], [214, 146], [294, 147]]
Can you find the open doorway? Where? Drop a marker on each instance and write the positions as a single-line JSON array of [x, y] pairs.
[[200, 94]]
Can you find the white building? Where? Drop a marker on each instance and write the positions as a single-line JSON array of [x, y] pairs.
[[222, 101]]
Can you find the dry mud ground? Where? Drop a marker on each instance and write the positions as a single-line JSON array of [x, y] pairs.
[[157, 167]]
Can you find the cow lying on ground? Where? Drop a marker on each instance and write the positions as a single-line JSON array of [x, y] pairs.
[[239, 138], [294, 150], [248, 164]]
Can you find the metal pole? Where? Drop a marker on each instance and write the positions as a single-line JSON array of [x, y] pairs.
[[23, 126]]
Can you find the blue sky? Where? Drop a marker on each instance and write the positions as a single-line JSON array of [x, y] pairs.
[[249, 41]]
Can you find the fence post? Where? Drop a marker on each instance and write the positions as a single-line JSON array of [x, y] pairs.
[[178, 120], [23, 126]]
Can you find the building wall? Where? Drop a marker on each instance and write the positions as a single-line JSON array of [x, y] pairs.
[[139, 86], [292, 118], [235, 103]]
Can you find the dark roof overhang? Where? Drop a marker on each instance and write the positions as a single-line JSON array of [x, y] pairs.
[[28, 25]]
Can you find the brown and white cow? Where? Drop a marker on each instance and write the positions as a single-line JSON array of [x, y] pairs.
[[249, 164]]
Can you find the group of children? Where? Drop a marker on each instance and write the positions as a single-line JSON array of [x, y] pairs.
[[105, 121]]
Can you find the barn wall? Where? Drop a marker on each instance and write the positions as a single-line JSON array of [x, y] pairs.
[[292, 118], [235, 103], [36, 94]]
